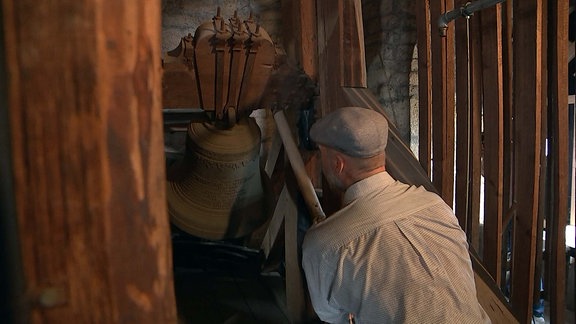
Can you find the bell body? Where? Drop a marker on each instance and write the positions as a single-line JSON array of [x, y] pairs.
[[216, 190]]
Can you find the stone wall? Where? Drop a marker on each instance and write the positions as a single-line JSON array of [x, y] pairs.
[[390, 37]]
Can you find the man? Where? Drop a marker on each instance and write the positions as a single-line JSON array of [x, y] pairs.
[[394, 253]]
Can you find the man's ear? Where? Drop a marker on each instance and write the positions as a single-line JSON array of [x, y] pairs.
[[339, 163]]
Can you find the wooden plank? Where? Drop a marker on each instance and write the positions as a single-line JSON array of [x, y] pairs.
[[14, 305], [509, 207], [303, 180], [329, 74], [544, 207], [527, 83], [558, 107], [179, 84], [443, 105], [352, 45], [491, 26], [273, 153], [489, 295], [507, 73], [300, 34], [463, 119], [475, 135], [87, 150], [275, 223], [340, 50], [295, 293], [423, 24], [468, 146], [300, 39]]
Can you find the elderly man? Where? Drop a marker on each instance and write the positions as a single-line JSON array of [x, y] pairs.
[[393, 253]]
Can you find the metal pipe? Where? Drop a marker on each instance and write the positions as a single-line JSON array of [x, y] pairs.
[[465, 11]]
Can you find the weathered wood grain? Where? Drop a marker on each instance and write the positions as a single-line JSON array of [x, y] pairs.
[[558, 130], [527, 87], [85, 113], [493, 139], [443, 102]]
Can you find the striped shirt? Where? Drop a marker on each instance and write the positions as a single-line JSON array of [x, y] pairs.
[[394, 254]]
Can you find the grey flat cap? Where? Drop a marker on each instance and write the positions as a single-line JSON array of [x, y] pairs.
[[354, 131]]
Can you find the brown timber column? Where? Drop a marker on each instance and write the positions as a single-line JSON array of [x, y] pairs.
[[493, 139], [443, 103], [558, 121], [527, 87], [300, 34], [340, 51], [84, 106]]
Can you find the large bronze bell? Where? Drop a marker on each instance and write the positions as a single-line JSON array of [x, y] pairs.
[[217, 190]]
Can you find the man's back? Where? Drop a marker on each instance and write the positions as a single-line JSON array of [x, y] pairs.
[[393, 254]]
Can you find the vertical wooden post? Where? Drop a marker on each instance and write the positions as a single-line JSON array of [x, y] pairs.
[[12, 297], [353, 58], [84, 92], [507, 78], [476, 73], [340, 50], [558, 121], [443, 103], [463, 119], [493, 139], [527, 85], [468, 70], [300, 34], [508, 206]]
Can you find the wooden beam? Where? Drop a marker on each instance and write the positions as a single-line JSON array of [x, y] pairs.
[[475, 135], [300, 34], [527, 83], [508, 113], [341, 62], [489, 295], [13, 299], [275, 223], [340, 50], [295, 291], [328, 55], [468, 73], [353, 59], [544, 205], [508, 205], [491, 26], [443, 104], [84, 100], [463, 119], [558, 121], [423, 27]]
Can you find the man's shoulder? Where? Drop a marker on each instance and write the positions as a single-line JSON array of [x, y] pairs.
[[321, 235]]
